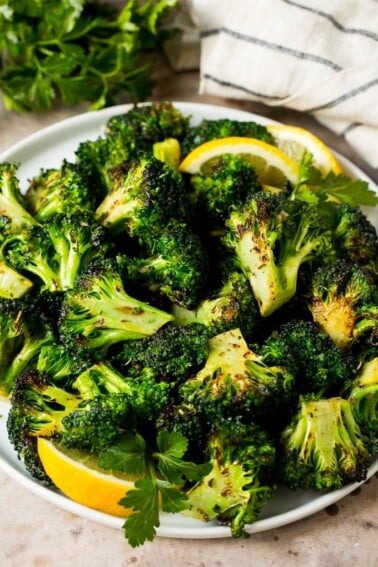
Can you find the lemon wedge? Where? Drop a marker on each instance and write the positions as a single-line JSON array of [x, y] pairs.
[[273, 167]]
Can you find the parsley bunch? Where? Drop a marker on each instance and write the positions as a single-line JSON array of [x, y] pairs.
[[77, 51]]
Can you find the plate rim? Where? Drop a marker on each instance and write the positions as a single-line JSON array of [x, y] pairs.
[[203, 531]]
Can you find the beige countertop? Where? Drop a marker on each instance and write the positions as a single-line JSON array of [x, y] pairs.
[[35, 533]]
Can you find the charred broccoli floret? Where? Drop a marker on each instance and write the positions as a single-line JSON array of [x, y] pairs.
[[232, 306], [175, 265], [12, 202], [356, 237], [143, 199], [237, 382], [226, 185], [98, 312], [173, 353], [321, 365], [272, 236], [142, 126], [57, 251], [56, 191], [240, 481], [344, 301], [323, 447], [208, 130], [363, 397]]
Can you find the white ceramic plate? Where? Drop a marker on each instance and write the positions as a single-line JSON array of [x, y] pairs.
[[46, 149]]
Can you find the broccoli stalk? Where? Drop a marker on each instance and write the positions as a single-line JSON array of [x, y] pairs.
[[272, 236], [13, 285], [12, 204], [323, 447], [363, 397], [239, 483], [99, 312]]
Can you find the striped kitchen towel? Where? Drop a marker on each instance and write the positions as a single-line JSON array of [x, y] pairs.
[[316, 56]]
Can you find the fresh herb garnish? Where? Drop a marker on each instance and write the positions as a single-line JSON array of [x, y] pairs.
[[166, 472], [77, 51]]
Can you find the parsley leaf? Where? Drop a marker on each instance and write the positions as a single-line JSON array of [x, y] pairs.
[[144, 501]]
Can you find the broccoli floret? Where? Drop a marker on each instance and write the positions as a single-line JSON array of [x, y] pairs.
[[142, 126], [344, 301], [272, 236], [56, 191], [323, 447], [13, 285], [240, 481], [356, 238], [173, 353], [144, 198], [22, 335], [59, 364], [237, 382], [98, 312], [322, 365], [232, 306], [57, 251], [226, 185], [208, 130], [363, 397], [175, 265], [100, 161], [12, 202]]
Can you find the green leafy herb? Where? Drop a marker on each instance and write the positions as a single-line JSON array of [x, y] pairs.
[[333, 188], [77, 51], [166, 472]]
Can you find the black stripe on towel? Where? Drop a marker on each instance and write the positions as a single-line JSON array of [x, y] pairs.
[[330, 18], [240, 88], [275, 46], [344, 97]]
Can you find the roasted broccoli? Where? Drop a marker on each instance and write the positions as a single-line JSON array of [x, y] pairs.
[[363, 397], [236, 382], [144, 198], [232, 306], [142, 126], [344, 301], [272, 236], [323, 447], [12, 202], [226, 185], [240, 482], [356, 238], [175, 265], [98, 312], [57, 251], [173, 353], [56, 191], [321, 365], [208, 130]]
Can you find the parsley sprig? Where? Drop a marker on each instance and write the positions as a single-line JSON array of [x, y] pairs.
[[326, 191], [78, 51], [165, 473]]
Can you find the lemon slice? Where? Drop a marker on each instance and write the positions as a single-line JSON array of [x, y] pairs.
[[295, 141], [79, 477], [272, 166]]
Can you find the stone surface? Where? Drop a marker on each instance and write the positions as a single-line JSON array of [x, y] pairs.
[[35, 533]]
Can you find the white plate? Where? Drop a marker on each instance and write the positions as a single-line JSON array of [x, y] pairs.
[[46, 149]]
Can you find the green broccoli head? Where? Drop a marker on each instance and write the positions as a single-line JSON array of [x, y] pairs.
[[208, 130], [98, 312], [56, 191], [240, 481], [344, 301], [12, 202], [144, 125], [236, 382], [175, 265], [356, 237], [144, 197], [363, 397], [57, 251], [321, 365], [323, 447], [226, 185], [173, 353], [278, 235]]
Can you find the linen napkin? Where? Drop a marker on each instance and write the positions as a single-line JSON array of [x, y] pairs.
[[315, 56]]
